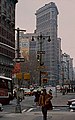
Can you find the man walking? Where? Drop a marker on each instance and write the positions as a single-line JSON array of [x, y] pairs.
[[45, 102]]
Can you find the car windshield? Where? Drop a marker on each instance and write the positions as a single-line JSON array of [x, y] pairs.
[[73, 104], [27, 90]]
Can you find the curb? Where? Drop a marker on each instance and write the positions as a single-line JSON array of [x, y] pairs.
[[60, 105]]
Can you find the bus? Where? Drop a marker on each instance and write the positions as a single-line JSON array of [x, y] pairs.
[[6, 90]]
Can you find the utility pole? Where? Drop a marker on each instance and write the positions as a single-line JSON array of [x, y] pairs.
[[18, 59], [63, 91], [40, 58], [18, 47], [40, 52]]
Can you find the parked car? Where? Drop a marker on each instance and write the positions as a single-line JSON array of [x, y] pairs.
[[28, 92], [1, 108], [72, 106], [69, 102]]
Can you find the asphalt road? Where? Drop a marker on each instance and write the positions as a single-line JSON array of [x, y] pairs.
[[31, 112], [38, 116], [28, 105]]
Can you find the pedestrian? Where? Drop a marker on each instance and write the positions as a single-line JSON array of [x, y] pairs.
[[50, 92], [45, 103], [37, 95]]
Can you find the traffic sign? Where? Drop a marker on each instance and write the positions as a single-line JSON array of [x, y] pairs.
[[19, 76], [40, 52], [45, 80], [45, 73], [19, 59], [27, 76], [40, 68]]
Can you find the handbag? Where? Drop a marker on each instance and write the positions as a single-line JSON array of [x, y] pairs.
[[49, 105]]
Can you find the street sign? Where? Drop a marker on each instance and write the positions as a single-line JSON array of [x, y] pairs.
[[19, 76], [27, 76], [44, 73], [19, 60], [40, 52], [45, 80], [42, 67]]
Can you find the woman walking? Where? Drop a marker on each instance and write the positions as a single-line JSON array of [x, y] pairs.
[[45, 103]]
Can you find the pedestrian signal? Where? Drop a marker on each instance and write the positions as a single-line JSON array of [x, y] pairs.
[[45, 80]]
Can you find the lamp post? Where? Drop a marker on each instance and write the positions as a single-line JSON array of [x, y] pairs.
[[18, 59], [40, 52], [68, 75], [63, 90], [18, 47]]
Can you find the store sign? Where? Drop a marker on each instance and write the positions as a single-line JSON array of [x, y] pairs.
[[27, 76], [19, 76]]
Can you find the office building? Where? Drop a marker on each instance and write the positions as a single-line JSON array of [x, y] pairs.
[[67, 69], [7, 36], [46, 24], [28, 52]]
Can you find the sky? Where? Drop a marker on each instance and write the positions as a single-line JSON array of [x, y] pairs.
[[26, 19]]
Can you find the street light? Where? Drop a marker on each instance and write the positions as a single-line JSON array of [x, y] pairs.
[[18, 59], [68, 73], [39, 53], [63, 90], [18, 47]]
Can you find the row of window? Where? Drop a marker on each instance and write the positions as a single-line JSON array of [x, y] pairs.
[[43, 17], [7, 38], [5, 71], [8, 24], [7, 52], [47, 16], [9, 7], [5, 41]]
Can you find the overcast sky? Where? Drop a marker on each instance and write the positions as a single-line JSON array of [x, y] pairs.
[[26, 19]]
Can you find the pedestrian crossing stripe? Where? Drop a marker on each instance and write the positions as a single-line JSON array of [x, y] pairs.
[[24, 110], [30, 110]]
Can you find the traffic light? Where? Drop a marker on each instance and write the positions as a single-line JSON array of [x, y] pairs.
[[38, 57], [45, 80], [42, 64]]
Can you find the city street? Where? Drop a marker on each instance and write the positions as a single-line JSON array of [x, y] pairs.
[[37, 60], [31, 112]]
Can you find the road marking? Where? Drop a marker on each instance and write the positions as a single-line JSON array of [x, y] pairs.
[[30, 110], [24, 110], [56, 109]]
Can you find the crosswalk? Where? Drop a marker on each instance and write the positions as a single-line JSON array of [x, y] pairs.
[[30, 110], [37, 109]]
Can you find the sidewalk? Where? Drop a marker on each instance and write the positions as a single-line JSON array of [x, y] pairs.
[[61, 100]]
